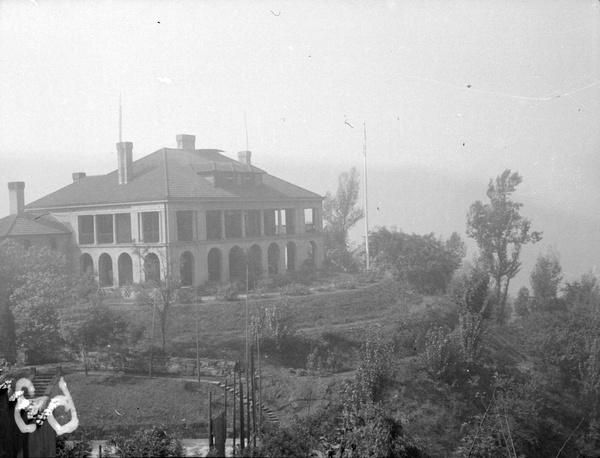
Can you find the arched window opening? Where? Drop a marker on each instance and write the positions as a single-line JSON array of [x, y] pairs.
[[237, 265], [273, 259], [186, 269], [255, 268], [214, 265], [87, 264], [151, 267], [125, 270], [105, 270]]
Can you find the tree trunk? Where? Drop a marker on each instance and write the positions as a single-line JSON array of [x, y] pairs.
[[84, 353]]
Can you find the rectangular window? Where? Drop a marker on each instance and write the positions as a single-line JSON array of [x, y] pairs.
[[290, 221], [252, 218], [229, 179], [246, 180], [123, 223], [185, 225], [309, 220], [86, 229], [150, 227], [233, 224], [270, 222], [280, 215], [105, 228], [213, 224]]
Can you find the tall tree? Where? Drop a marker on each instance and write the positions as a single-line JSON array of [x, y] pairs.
[[341, 213], [545, 280], [500, 232], [34, 285]]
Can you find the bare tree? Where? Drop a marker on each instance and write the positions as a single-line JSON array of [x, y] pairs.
[[159, 288]]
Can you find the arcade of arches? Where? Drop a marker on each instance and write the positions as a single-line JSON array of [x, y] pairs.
[[257, 262]]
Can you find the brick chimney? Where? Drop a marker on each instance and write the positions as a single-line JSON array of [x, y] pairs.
[[245, 157], [16, 194], [124, 150], [78, 176], [186, 142]]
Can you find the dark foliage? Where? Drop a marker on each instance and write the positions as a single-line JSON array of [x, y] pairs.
[[426, 262]]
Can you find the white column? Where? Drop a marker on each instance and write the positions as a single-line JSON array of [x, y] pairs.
[[262, 223], [243, 223]]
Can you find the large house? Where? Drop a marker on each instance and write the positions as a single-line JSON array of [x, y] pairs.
[[193, 212]]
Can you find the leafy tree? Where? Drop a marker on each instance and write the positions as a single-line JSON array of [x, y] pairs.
[[500, 232], [34, 285], [585, 292], [146, 443], [89, 324], [341, 214], [523, 302], [545, 279], [425, 261]]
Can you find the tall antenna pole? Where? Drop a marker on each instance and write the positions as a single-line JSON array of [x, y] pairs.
[[246, 124], [120, 120], [366, 200]]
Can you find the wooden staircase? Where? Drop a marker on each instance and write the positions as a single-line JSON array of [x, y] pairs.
[[269, 414]]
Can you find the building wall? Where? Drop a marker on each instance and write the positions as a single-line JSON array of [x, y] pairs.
[[169, 249]]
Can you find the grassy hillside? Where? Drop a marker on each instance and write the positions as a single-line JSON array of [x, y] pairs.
[[440, 407], [222, 324], [107, 402]]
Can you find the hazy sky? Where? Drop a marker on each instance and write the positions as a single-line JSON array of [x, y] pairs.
[[452, 93]]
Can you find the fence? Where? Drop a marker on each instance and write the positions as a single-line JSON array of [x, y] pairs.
[[160, 365]]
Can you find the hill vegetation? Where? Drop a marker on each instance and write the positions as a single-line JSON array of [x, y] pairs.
[[409, 359]]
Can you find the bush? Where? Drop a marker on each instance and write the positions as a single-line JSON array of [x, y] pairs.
[[281, 280], [412, 330], [278, 324], [294, 289], [188, 296], [145, 443], [441, 355], [346, 284], [367, 277], [228, 292], [79, 449]]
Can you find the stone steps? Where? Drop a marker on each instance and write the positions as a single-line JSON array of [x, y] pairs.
[[269, 414]]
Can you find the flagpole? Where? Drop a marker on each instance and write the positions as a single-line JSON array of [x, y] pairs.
[[120, 120], [366, 199]]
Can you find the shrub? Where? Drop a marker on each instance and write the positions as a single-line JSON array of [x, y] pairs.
[[346, 284], [228, 292], [412, 330], [146, 443], [79, 449], [294, 289], [259, 292], [441, 355], [188, 296], [278, 323], [281, 280], [372, 371]]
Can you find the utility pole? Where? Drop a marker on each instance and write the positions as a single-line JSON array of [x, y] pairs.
[[366, 199], [197, 337], [152, 336]]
